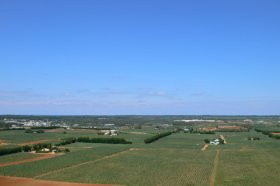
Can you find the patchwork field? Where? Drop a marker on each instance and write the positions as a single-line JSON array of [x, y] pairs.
[[173, 160]]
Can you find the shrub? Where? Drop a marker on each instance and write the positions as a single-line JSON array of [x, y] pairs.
[[83, 139], [67, 141], [40, 146], [221, 141], [207, 141], [26, 148], [66, 150], [28, 131], [40, 131]]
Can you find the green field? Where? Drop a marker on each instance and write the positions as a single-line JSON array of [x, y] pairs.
[[173, 160], [17, 157]]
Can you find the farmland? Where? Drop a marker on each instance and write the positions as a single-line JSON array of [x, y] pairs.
[[174, 159]]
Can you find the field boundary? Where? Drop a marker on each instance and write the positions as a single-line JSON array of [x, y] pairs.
[[215, 168], [11, 181], [42, 157], [84, 163]]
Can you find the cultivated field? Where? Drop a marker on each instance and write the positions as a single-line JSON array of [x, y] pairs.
[[176, 159]]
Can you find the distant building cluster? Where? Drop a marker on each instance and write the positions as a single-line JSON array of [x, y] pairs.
[[195, 120]]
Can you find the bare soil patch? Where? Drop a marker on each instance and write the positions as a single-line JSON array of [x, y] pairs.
[[205, 147], [276, 133], [44, 156], [15, 181], [214, 172], [223, 138], [3, 142]]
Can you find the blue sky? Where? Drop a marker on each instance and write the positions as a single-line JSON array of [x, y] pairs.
[[139, 57]]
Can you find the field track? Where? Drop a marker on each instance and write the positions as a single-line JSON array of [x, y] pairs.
[[77, 165], [14, 181], [214, 172], [223, 138], [45, 156], [3, 142], [205, 147]]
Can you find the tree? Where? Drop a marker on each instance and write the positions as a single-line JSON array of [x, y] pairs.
[[207, 141], [26, 148]]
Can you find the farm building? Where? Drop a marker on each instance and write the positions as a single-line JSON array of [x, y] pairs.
[[215, 142], [109, 132], [45, 150]]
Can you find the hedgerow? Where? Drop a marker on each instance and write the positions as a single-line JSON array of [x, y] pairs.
[[269, 133], [103, 140], [10, 150], [67, 141], [157, 137]]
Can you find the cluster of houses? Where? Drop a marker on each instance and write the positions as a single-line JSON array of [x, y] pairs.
[[215, 142], [108, 132], [26, 123]]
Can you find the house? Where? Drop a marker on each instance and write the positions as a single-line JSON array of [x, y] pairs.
[[109, 132], [215, 142], [113, 132], [45, 150]]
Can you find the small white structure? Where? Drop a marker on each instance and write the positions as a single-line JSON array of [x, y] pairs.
[[46, 150], [215, 142], [196, 120], [114, 132], [109, 132], [109, 125]]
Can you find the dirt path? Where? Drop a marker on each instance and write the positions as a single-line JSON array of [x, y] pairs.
[[77, 165], [45, 156], [205, 147], [37, 142], [214, 172], [223, 138], [3, 142], [14, 181]]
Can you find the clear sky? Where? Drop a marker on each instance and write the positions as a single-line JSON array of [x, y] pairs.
[[139, 57]]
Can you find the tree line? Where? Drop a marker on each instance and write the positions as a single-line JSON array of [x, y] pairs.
[[71, 140], [157, 137], [269, 133]]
